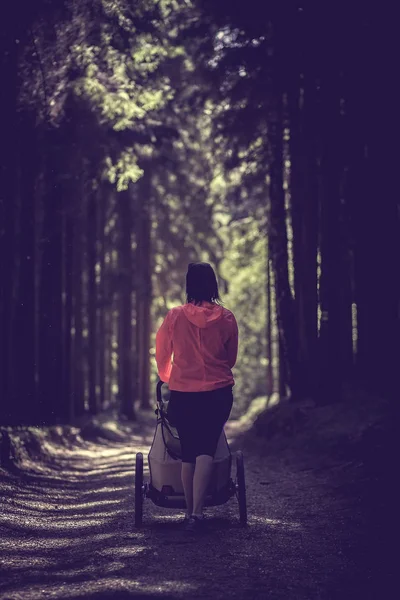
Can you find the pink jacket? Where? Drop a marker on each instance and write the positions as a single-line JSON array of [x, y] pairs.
[[196, 347]]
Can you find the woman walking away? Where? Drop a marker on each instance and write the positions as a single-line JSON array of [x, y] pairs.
[[196, 348]]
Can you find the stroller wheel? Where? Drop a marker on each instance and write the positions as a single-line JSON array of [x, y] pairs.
[[139, 490], [241, 488]]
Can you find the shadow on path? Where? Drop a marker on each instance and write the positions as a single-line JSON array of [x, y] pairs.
[[67, 531]]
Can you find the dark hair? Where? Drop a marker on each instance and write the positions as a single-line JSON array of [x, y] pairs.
[[201, 283]]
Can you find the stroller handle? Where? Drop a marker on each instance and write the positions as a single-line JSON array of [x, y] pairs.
[[159, 385]]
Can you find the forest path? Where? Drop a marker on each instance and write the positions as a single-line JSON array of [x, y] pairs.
[[67, 531]]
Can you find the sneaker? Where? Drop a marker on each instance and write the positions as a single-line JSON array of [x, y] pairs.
[[187, 517], [194, 524]]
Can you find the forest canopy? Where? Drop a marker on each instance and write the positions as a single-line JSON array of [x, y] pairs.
[[139, 137]]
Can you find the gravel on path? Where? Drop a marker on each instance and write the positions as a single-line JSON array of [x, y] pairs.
[[67, 529]]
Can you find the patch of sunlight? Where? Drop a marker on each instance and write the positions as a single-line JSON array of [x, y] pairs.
[[33, 504], [59, 542], [89, 569], [119, 453], [167, 586], [109, 488], [257, 406], [174, 517], [117, 475], [78, 505], [16, 563], [110, 451], [143, 449], [105, 470], [126, 552], [55, 497], [117, 458], [273, 400], [36, 524], [257, 520], [107, 586], [111, 425], [102, 453], [29, 464], [86, 518]]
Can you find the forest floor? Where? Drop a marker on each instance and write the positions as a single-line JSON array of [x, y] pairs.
[[318, 506]]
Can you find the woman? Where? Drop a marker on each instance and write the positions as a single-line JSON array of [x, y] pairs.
[[202, 337]]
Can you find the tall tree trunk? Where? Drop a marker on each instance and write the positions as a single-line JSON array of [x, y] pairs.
[[78, 388], [39, 193], [23, 382], [345, 295], [304, 220], [67, 294], [275, 344], [125, 307], [309, 240], [283, 378], [50, 308], [279, 254], [92, 304], [270, 383], [376, 239], [330, 376], [8, 174], [144, 291], [301, 85], [136, 308], [110, 214], [102, 341], [346, 287], [108, 371]]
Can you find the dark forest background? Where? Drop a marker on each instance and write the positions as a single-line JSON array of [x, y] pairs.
[[136, 137]]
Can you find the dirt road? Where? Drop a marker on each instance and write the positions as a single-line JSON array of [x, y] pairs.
[[67, 531]]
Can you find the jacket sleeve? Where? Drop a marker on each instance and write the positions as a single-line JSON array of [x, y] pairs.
[[164, 349], [232, 343]]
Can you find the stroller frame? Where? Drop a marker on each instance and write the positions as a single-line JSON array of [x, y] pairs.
[[167, 497]]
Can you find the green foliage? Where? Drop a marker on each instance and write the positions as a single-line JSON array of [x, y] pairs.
[[111, 84], [127, 83], [244, 267], [124, 171], [112, 60]]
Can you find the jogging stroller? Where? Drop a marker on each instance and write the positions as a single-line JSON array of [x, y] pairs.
[[165, 487]]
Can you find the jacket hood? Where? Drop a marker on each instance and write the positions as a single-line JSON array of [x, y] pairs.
[[203, 316]]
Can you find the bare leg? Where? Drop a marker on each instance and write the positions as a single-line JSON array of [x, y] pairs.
[[187, 473], [201, 479]]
